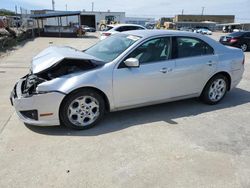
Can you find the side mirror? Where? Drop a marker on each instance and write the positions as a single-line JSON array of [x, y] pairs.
[[132, 62]]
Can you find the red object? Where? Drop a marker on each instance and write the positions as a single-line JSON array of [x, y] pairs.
[[232, 40], [106, 34]]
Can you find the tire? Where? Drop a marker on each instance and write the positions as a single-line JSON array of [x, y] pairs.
[[82, 109], [215, 89], [244, 47]]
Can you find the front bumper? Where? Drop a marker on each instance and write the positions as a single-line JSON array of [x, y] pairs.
[[38, 109]]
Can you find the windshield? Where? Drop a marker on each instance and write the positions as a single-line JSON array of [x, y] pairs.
[[110, 48]]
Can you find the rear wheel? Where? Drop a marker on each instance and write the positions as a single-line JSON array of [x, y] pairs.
[[82, 109], [215, 89], [244, 47]]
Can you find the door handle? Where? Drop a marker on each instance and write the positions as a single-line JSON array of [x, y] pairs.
[[210, 63], [166, 70]]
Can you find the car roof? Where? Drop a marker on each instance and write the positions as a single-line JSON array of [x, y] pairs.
[[119, 25], [145, 34], [239, 32], [157, 32]]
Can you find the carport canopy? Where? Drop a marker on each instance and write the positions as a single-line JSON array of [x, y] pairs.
[[55, 14]]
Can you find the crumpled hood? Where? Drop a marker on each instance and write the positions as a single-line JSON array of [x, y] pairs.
[[54, 55]]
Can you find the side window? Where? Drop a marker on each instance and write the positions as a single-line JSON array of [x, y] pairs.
[[190, 47], [121, 29], [132, 28], [139, 28], [152, 51]]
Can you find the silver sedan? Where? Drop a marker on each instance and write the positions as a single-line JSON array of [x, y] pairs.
[[126, 70]]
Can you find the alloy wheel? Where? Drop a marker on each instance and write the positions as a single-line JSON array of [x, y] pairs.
[[217, 90], [83, 111]]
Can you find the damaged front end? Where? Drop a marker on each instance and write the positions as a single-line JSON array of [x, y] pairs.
[[38, 106], [30, 84], [64, 67]]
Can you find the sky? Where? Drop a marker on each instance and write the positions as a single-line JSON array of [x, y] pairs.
[[143, 8]]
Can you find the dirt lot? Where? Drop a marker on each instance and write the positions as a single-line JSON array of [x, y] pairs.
[[179, 144]]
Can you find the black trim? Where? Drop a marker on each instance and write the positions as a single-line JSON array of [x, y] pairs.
[[30, 114], [174, 48]]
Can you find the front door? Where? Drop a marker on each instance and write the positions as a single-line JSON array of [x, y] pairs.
[[151, 81]]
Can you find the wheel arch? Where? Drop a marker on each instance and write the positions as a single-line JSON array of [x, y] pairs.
[[224, 73], [106, 100]]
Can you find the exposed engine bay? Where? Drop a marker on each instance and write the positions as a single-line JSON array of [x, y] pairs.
[[64, 67]]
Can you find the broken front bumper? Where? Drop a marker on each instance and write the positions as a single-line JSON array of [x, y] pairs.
[[37, 109]]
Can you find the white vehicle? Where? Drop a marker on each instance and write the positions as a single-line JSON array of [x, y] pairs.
[[204, 31], [126, 70], [112, 29]]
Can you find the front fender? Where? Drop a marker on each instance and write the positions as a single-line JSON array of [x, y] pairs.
[[101, 80]]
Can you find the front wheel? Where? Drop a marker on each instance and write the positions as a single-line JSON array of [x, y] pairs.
[[215, 89], [82, 109]]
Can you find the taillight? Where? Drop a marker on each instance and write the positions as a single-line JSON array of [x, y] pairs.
[[106, 34], [232, 40]]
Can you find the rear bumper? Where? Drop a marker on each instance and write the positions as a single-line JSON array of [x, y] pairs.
[[235, 44], [237, 76], [39, 109]]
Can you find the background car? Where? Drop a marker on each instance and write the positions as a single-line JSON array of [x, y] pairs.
[[112, 29], [203, 31], [237, 39], [88, 29], [126, 70]]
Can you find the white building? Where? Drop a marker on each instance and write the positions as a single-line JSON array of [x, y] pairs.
[[139, 21]]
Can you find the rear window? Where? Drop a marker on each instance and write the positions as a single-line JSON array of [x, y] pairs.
[[190, 47], [236, 34], [247, 34]]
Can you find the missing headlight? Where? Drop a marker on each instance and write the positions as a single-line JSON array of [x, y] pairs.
[[30, 84]]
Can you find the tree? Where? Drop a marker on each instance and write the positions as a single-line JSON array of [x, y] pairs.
[[4, 12]]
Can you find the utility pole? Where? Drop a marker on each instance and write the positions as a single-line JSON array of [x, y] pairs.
[[67, 21], [16, 13], [16, 9], [202, 13], [53, 5], [182, 12], [92, 6]]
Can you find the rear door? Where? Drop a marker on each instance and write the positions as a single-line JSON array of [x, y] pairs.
[[195, 64]]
